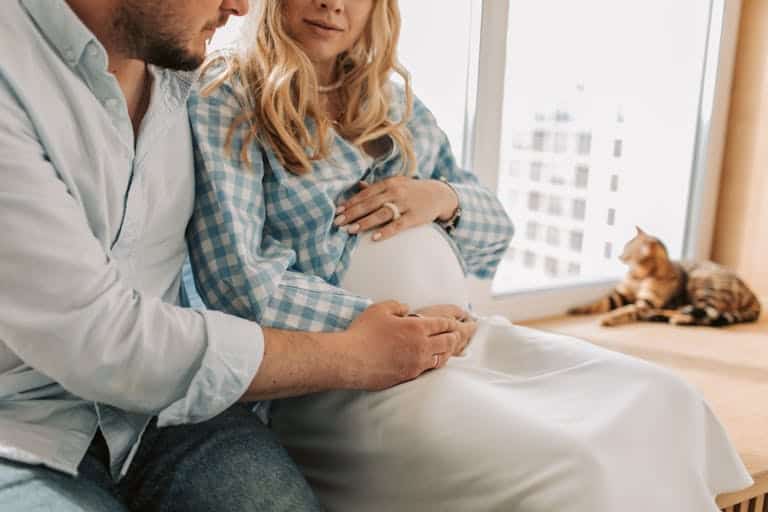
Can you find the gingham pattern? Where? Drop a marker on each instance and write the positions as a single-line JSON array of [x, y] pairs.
[[262, 241]]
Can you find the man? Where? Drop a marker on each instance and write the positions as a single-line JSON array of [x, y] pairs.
[[96, 173]]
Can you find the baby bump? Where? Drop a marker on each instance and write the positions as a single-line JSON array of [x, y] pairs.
[[419, 267]]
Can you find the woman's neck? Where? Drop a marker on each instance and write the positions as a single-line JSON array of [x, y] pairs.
[[326, 72]]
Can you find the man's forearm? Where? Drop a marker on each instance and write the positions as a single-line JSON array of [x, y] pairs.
[[297, 363]]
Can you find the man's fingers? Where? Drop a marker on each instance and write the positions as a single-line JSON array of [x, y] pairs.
[[439, 325], [446, 343], [394, 307]]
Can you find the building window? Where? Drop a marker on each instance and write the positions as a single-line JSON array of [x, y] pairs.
[[536, 171], [534, 201], [579, 209], [611, 220], [532, 230], [551, 266], [576, 240], [581, 179], [614, 183], [553, 236], [574, 269], [529, 259], [608, 250], [539, 138], [618, 147], [585, 144], [555, 206]]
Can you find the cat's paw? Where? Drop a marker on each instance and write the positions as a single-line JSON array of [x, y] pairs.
[[682, 319], [577, 311], [609, 321]]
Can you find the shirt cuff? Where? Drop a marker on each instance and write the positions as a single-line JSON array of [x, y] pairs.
[[235, 349]]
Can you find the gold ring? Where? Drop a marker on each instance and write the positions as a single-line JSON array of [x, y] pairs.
[[393, 208]]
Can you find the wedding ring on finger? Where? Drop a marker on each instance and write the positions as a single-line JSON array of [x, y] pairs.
[[393, 208], [437, 361]]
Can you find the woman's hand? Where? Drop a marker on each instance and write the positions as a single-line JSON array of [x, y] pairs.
[[416, 201], [467, 326]]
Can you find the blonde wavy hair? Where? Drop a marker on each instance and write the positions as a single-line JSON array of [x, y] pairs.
[[282, 89]]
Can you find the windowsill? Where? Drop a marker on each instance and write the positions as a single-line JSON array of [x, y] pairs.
[[729, 366]]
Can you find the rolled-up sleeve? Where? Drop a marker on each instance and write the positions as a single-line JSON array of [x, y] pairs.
[[66, 311]]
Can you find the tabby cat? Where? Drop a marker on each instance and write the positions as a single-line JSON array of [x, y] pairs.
[[658, 289]]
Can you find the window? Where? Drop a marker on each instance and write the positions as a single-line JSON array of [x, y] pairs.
[[539, 140], [617, 147], [574, 269], [584, 143], [534, 201], [529, 259], [579, 209], [576, 240], [551, 266], [581, 179], [555, 206], [583, 116]]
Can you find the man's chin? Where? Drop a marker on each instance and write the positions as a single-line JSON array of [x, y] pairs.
[[178, 61]]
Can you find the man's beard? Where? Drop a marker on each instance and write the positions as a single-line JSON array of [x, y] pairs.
[[155, 37]]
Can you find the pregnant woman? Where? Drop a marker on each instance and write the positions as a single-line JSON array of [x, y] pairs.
[[322, 187]]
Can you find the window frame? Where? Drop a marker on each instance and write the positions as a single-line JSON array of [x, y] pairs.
[[482, 140]]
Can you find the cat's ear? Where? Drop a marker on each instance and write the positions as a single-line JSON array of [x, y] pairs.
[[640, 231]]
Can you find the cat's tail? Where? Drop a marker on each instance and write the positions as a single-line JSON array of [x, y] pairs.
[[710, 315], [610, 302]]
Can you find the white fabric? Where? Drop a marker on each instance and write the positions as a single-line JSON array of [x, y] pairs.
[[526, 421]]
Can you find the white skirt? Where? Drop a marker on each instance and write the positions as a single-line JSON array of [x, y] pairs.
[[526, 421]]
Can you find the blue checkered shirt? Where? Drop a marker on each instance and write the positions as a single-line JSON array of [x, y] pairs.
[[262, 241]]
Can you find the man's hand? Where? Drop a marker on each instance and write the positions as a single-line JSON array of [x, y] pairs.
[[467, 325], [381, 348], [387, 347]]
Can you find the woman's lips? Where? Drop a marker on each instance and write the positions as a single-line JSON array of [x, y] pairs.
[[322, 27]]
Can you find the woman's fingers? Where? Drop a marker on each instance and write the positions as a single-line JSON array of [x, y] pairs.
[[394, 227], [377, 218], [355, 213]]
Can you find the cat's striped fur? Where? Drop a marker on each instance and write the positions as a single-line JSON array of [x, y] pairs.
[[658, 289]]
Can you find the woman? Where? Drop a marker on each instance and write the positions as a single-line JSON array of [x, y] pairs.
[[321, 187]]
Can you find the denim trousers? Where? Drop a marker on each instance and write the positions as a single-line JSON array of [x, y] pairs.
[[230, 463]]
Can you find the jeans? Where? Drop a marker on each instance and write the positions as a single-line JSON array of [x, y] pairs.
[[229, 463]]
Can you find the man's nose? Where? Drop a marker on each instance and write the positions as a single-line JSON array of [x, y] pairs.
[[236, 7]]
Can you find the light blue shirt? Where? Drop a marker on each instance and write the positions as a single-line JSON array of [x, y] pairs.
[[91, 248]]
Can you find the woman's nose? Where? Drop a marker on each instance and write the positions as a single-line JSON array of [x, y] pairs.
[[332, 5]]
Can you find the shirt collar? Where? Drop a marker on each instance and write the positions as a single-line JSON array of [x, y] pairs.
[[61, 26]]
